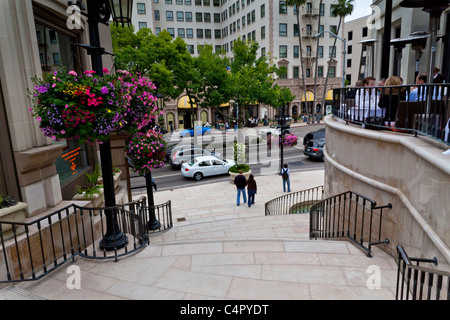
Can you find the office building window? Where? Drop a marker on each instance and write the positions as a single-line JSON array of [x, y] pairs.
[[263, 10], [283, 7], [199, 33], [263, 32], [180, 16], [296, 52], [188, 16], [283, 30], [283, 51], [320, 51], [198, 17], [332, 52], [332, 72], [296, 73], [142, 25], [140, 8], [171, 31], [169, 15], [189, 33], [157, 17], [181, 32]]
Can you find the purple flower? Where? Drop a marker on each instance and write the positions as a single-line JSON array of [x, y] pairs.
[[104, 90], [42, 89]]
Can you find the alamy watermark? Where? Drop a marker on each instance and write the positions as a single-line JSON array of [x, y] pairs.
[[74, 20]]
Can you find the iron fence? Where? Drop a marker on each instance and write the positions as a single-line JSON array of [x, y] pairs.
[[348, 215], [31, 250], [420, 109], [418, 283], [295, 202]]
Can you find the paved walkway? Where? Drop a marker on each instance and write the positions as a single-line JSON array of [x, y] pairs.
[[217, 250]]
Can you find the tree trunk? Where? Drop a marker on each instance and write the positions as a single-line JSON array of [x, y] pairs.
[[317, 55], [301, 53]]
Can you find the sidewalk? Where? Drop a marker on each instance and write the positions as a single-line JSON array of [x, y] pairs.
[[217, 250]]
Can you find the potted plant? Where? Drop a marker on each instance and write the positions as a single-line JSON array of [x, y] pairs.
[[116, 175], [12, 211], [240, 160], [91, 190], [146, 151]]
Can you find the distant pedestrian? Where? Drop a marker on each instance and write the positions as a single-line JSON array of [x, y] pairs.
[[240, 183], [286, 178], [251, 189]]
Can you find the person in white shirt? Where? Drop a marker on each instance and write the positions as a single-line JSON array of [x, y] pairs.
[[366, 100]]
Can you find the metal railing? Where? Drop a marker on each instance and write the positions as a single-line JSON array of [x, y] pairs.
[[31, 250], [348, 215], [420, 109], [295, 202], [418, 283]]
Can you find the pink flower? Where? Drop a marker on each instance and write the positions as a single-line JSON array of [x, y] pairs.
[[73, 73]]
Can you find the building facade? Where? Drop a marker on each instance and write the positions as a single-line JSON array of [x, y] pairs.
[[37, 38], [273, 25]]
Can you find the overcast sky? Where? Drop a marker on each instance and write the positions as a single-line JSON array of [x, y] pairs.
[[361, 8]]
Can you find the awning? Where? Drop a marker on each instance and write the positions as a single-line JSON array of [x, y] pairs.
[[183, 103], [309, 96], [224, 105], [329, 95]]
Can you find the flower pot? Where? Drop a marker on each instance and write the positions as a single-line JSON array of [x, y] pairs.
[[116, 177], [233, 175], [13, 214], [96, 201]]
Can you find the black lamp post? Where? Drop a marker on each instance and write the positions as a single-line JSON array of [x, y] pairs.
[[99, 11], [283, 128], [153, 223]]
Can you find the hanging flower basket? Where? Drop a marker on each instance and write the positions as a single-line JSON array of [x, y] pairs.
[[289, 140], [146, 151], [89, 107]]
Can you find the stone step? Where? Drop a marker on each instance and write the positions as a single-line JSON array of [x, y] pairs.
[[257, 227], [15, 293]]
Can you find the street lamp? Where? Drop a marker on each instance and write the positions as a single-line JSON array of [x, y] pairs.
[[345, 51], [99, 11]]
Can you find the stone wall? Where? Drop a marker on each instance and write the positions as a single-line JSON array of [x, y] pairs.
[[409, 172]]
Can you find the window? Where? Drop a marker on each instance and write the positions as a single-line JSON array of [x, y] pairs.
[[332, 52], [198, 17], [208, 33], [283, 30], [320, 71], [263, 11], [296, 52], [320, 51], [171, 31], [199, 33], [142, 25], [188, 16], [157, 15], [350, 35], [308, 51], [180, 16], [263, 32], [216, 17], [283, 7], [217, 34], [349, 63], [296, 72], [169, 15], [181, 32], [263, 52], [283, 51], [334, 30], [364, 31], [56, 59], [332, 72], [189, 33], [140, 8], [295, 30], [207, 17], [350, 49], [308, 73], [190, 48]]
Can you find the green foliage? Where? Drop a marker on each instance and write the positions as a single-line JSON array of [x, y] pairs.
[[237, 167], [7, 201]]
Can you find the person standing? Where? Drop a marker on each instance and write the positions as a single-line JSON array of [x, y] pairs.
[[286, 178], [240, 183], [251, 189]]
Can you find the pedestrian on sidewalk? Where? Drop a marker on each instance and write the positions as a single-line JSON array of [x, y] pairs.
[[240, 183], [286, 178], [251, 189]]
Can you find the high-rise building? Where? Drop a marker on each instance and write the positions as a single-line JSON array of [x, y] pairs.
[[274, 26]]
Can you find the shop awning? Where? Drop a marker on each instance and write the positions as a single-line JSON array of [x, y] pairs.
[[184, 103], [309, 96], [223, 105], [329, 95]]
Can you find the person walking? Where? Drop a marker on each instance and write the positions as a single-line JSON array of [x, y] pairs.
[[251, 189], [240, 183], [286, 178]]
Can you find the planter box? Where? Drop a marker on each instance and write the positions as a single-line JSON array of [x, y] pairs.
[[14, 214], [233, 175], [116, 178], [96, 201]]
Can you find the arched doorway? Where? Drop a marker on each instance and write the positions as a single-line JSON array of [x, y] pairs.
[[186, 117], [307, 102], [170, 122]]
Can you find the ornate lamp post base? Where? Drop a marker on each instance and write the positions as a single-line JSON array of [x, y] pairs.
[[113, 241]]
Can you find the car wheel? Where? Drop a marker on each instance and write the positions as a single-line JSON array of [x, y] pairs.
[[198, 176]]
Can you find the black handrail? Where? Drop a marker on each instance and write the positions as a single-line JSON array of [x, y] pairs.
[[395, 108], [286, 203], [348, 215], [31, 250], [417, 283]]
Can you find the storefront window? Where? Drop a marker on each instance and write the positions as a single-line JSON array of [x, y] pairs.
[[55, 52]]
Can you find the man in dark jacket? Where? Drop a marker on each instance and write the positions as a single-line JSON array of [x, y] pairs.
[[240, 183]]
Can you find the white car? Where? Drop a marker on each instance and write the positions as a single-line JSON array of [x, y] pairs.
[[206, 166]]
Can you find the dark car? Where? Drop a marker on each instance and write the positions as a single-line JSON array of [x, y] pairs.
[[170, 151], [314, 148], [314, 135]]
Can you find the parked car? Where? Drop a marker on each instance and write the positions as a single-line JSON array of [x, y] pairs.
[[206, 166], [314, 135], [187, 154], [200, 131], [170, 151], [314, 148]]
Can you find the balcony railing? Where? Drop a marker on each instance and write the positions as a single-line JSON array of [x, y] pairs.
[[420, 110], [295, 202]]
